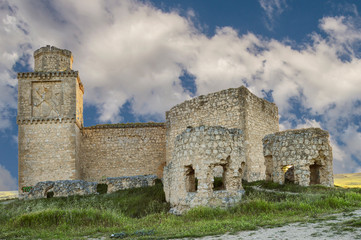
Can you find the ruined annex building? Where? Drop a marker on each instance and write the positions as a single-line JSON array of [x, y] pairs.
[[231, 134]]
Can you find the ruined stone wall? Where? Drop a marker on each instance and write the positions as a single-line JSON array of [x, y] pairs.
[[224, 108], [65, 188], [306, 152], [231, 108], [261, 119], [122, 150], [189, 177], [47, 152]]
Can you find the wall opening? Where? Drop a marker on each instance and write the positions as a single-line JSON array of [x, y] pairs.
[[102, 188], [269, 167], [191, 181], [219, 177], [240, 174], [289, 171], [241, 170], [315, 174], [50, 194]]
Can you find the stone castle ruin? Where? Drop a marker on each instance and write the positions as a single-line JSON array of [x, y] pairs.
[[229, 135]]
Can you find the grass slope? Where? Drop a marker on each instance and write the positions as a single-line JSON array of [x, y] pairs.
[[348, 180], [143, 213]]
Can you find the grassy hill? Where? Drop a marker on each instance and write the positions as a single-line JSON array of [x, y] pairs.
[[143, 213], [348, 180], [8, 195]]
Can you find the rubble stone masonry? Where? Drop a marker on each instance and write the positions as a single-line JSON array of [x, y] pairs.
[[189, 177], [231, 108], [302, 156]]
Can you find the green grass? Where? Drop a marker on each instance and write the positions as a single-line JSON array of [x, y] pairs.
[[143, 213]]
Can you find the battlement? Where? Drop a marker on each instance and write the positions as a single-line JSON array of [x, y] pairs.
[[49, 59]]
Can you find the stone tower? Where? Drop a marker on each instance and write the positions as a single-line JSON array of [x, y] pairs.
[[50, 116]]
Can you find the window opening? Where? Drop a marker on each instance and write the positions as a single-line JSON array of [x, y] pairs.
[[191, 181], [102, 188], [219, 177], [50, 194], [289, 171]]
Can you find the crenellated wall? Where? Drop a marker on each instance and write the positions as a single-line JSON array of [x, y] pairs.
[[115, 150]]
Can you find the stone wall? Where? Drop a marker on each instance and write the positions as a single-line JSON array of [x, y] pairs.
[[50, 59], [121, 183], [47, 152], [50, 95], [302, 156], [231, 108], [48, 128], [261, 119], [65, 188], [189, 176], [115, 150]]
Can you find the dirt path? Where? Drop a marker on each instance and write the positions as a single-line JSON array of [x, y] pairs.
[[334, 228]]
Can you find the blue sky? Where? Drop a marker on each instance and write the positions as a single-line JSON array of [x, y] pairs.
[[139, 58]]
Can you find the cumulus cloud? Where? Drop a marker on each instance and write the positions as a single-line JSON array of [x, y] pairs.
[[7, 182], [131, 52]]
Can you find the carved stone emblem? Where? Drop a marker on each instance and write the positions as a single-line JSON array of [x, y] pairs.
[[47, 99]]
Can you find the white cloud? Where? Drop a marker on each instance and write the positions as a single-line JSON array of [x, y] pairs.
[[309, 123], [272, 8], [7, 182], [129, 51]]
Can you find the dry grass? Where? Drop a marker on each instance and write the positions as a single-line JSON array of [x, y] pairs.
[[348, 180], [4, 195]]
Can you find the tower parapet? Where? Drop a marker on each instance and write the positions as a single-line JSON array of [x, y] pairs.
[[52, 59]]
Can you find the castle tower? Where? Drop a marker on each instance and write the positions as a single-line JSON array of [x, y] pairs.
[[50, 116]]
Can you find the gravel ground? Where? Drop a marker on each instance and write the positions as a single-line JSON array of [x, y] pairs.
[[334, 228]]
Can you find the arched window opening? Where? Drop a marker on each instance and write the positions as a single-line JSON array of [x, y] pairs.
[[191, 181]]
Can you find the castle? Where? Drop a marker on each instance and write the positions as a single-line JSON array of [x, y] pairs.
[[232, 133]]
